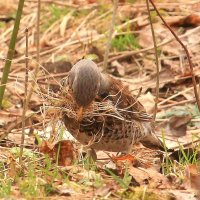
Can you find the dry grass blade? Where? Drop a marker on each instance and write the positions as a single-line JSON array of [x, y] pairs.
[[115, 2], [38, 53], [25, 105]]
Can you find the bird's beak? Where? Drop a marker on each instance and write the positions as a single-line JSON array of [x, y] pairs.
[[80, 114]]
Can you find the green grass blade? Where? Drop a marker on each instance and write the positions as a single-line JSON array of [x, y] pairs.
[[11, 51]]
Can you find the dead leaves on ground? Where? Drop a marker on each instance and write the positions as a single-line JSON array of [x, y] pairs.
[[62, 152], [140, 68], [193, 176], [149, 177], [144, 168], [192, 20], [176, 125]]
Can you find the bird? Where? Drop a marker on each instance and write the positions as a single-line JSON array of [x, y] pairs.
[[116, 128]]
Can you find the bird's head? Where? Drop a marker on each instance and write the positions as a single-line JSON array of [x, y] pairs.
[[84, 81]]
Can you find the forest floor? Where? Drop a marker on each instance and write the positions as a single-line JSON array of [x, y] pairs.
[[72, 30]]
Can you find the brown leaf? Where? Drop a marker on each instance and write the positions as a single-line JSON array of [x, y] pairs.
[[145, 36], [119, 160], [178, 125], [45, 147], [192, 20], [140, 176], [64, 190], [193, 175], [148, 176], [63, 150], [106, 189]]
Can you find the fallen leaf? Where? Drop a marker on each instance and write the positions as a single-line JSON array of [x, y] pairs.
[[149, 177], [63, 150], [178, 125], [64, 190], [145, 36], [193, 175], [192, 20], [140, 176], [121, 161], [103, 191]]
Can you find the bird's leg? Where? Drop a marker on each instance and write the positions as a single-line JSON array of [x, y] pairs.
[[92, 155], [80, 114]]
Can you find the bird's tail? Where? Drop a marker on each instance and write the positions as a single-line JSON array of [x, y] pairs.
[[150, 139], [153, 142]]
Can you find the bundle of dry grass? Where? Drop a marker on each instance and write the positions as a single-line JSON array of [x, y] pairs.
[[65, 104]]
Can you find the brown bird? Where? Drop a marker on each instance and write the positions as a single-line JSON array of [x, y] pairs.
[[115, 128]]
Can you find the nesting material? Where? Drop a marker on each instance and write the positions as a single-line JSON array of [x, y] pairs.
[[66, 105]]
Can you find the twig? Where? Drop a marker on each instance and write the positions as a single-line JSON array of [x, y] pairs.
[[157, 62], [177, 104], [25, 102], [192, 120], [175, 95], [186, 51], [131, 53], [105, 63], [38, 54], [186, 144], [60, 3]]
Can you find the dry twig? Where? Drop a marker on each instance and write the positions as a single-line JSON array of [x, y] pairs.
[[186, 51], [25, 102], [109, 41], [38, 54], [157, 62]]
